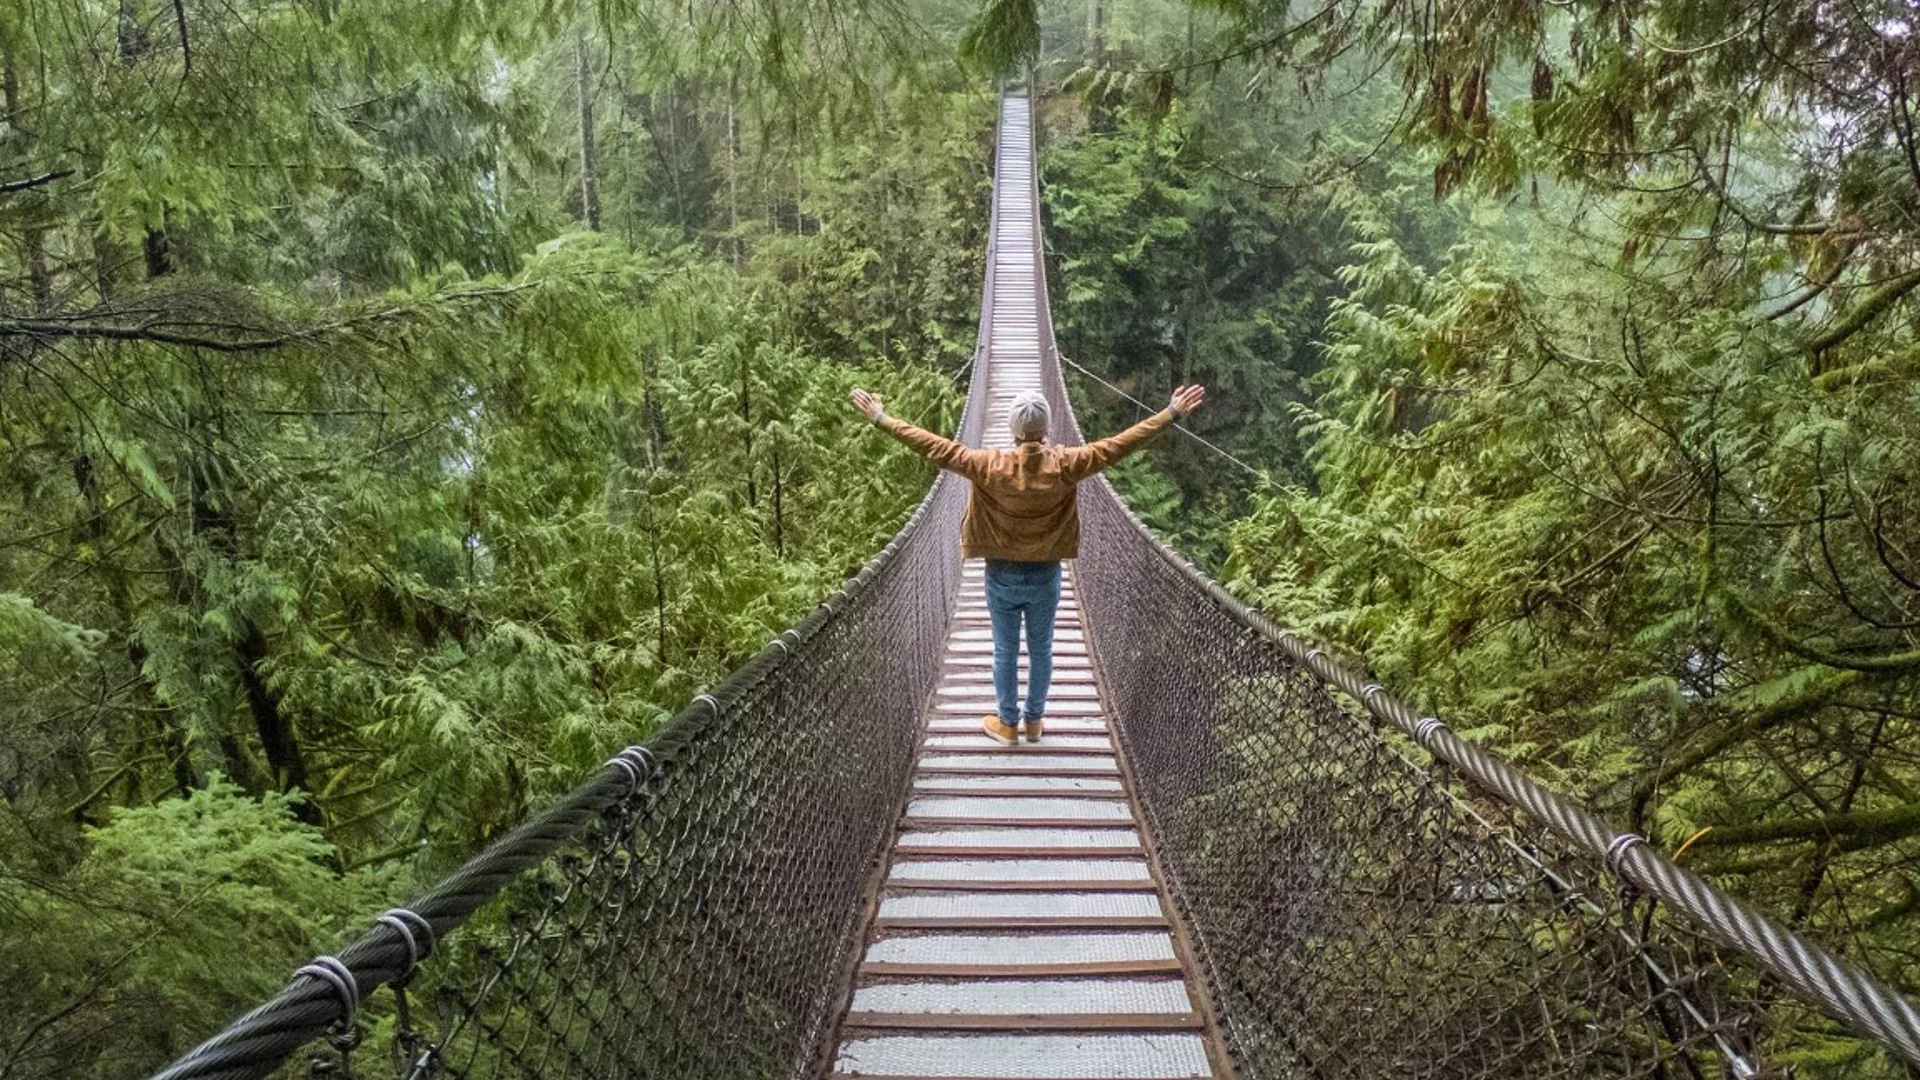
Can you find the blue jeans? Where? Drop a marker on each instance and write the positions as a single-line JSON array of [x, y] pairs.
[[1016, 590]]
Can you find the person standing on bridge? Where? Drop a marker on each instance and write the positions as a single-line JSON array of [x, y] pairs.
[[1023, 519]]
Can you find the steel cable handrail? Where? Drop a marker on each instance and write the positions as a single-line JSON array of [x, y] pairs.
[[259, 1041], [1845, 990]]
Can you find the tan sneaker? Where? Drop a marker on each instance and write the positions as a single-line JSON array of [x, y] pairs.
[[998, 731], [1033, 731]]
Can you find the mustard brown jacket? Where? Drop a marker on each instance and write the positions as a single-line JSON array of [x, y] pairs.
[[1023, 507]]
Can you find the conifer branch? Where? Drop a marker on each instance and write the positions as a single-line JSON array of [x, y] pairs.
[[170, 321], [1866, 311], [1850, 831], [10, 187]]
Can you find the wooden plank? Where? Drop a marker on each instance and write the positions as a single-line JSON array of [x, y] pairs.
[[1014, 851], [1022, 922], [1012, 770], [988, 745], [1027, 1022], [920, 822], [1091, 969], [1017, 793], [925, 1076], [1028, 885], [1075, 649], [981, 708]]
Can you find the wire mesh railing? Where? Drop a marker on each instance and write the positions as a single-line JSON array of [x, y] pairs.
[[692, 911]]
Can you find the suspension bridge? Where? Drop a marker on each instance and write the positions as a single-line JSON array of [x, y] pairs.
[[1231, 856]]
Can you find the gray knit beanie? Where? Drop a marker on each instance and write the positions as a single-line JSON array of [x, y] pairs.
[[1027, 416]]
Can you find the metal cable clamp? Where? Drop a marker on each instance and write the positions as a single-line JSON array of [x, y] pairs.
[[637, 762], [329, 969], [415, 930]]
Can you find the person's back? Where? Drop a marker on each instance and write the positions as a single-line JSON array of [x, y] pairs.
[[1033, 481], [1024, 505], [1023, 518]]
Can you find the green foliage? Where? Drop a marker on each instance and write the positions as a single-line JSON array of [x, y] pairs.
[[1590, 331], [399, 411], [1004, 36], [1178, 262], [179, 914]]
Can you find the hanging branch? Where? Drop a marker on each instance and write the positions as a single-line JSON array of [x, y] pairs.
[[1866, 311], [176, 320], [10, 187], [186, 44]]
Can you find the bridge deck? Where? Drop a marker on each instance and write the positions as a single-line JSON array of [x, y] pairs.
[[1021, 930]]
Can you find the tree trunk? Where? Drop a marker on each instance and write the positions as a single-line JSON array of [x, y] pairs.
[[165, 728], [733, 169], [589, 153], [211, 516], [159, 253], [779, 520], [654, 419], [659, 578], [746, 418], [134, 45], [33, 235], [277, 738]]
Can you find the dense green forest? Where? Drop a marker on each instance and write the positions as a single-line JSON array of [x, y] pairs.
[[400, 405], [1578, 351]]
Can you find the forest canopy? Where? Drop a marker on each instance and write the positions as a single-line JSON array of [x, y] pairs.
[[1577, 349], [400, 405]]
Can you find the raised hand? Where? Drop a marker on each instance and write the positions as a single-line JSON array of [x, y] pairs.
[[868, 404], [1187, 398]]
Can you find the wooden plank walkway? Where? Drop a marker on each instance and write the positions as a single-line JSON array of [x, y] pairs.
[[1021, 931]]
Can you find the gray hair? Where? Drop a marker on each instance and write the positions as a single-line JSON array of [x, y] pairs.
[[1027, 416]]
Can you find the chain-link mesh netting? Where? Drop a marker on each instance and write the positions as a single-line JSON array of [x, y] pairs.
[[703, 932], [1362, 908], [1354, 913]]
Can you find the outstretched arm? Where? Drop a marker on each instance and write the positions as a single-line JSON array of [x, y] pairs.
[[943, 452], [1085, 461]]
